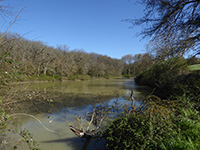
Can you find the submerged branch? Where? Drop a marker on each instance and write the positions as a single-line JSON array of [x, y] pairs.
[[29, 115]]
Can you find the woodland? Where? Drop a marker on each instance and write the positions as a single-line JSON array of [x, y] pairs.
[[168, 118]]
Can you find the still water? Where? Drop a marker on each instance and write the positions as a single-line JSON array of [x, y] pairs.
[[70, 99]]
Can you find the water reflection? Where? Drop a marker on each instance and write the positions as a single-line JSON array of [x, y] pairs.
[[71, 99]]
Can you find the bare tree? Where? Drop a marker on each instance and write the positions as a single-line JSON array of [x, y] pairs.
[[128, 60], [177, 21]]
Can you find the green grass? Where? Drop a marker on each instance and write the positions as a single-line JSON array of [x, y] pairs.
[[42, 77], [172, 123], [79, 77], [127, 76], [194, 67], [159, 127]]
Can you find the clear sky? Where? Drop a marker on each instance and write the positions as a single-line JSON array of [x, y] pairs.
[[92, 25]]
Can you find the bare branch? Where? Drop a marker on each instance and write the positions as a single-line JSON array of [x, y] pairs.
[[14, 21], [91, 119]]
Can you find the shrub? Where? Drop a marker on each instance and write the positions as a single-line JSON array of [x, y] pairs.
[[161, 73], [79, 77], [127, 76], [160, 126], [171, 78]]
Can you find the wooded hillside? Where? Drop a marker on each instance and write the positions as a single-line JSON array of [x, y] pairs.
[[34, 58]]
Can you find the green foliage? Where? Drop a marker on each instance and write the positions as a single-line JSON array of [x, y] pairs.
[[79, 77], [188, 85], [35, 58], [8, 127], [194, 67], [160, 73], [5, 56], [187, 132], [6, 76], [162, 125], [42, 77], [28, 138], [127, 76], [165, 76], [133, 65]]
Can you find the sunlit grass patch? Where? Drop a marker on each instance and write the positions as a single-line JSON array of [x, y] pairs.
[[194, 67]]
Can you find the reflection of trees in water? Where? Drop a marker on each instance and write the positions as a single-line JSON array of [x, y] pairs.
[[60, 102], [41, 100], [54, 96], [77, 143], [42, 104]]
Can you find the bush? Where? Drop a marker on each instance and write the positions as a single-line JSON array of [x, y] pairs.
[[79, 77], [127, 76], [161, 73], [163, 124], [160, 126], [171, 78]]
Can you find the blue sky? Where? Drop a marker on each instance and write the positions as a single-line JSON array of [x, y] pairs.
[[92, 25]]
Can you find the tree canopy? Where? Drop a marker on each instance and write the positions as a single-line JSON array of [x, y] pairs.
[[175, 21]]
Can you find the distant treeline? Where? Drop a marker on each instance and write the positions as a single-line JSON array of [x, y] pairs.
[[34, 58]]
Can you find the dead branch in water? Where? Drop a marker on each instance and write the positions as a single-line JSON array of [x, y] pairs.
[[97, 119]]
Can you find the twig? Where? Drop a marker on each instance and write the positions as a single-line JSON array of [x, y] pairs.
[[91, 119], [29, 115], [13, 22]]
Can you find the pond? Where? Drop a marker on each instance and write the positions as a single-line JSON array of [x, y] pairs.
[[70, 99]]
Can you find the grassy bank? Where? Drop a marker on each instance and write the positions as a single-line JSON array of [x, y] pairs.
[[170, 118], [160, 128], [42, 77]]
